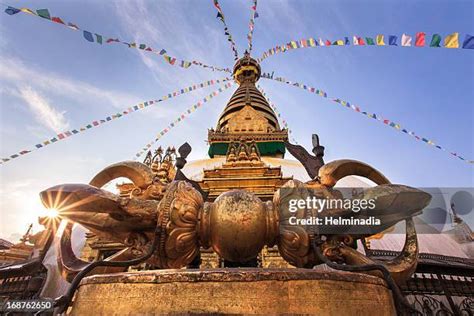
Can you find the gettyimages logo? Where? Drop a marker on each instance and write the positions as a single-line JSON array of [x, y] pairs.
[[355, 205], [368, 211]]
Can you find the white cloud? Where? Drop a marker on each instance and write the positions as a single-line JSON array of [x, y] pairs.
[[17, 73], [43, 111]]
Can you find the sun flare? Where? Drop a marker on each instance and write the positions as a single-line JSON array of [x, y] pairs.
[[52, 212]]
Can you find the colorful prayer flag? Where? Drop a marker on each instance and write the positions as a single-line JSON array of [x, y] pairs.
[[420, 39], [435, 40], [26, 10], [88, 36], [12, 10], [369, 41], [73, 26], [468, 42], [452, 40], [98, 38], [57, 20], [379, 40], [44, 13], [392, 40], [406, 40]]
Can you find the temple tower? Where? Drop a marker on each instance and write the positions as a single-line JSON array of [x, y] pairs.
[[248, 116]]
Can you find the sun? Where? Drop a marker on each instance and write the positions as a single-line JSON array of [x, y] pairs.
[[51, 212]]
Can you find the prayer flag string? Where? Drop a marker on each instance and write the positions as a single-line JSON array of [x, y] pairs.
[[182, 117], [405, 40], [253, 16], [283, 121], [101, 39], [374, 116], [220, 16], [95, 123]]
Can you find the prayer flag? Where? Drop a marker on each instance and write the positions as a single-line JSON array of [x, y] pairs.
[[44, 13], [406, 40], [468, 42], [11, 10], [435, 40], [420, 39], [57, 20], [98, 38], [379, 40], [26, 10], [452, 41], [88, 36], [370, 41], [392, 40], [73, 26]]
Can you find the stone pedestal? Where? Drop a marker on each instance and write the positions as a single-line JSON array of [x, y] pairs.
[[233, 291]]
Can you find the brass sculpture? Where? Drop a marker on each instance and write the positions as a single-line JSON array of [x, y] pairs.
[[237, 225], [165, 219]]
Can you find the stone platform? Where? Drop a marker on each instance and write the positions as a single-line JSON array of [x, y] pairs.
[[233, 291]]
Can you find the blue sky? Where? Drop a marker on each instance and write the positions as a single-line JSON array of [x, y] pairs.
[[52, 79]]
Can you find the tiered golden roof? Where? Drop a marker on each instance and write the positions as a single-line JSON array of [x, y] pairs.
[[248, 116]]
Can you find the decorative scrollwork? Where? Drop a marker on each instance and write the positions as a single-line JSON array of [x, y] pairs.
[[294, 241], [138, 243], [467, 307], [294, 246], [178, 217], [429, 305], [154, 191]]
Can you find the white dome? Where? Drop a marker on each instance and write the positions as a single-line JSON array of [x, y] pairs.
[[429, 240]]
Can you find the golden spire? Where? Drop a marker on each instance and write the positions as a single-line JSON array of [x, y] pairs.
[[248, 102], [248, 116]]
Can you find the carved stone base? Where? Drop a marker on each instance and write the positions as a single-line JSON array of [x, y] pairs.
[[235, 291]]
